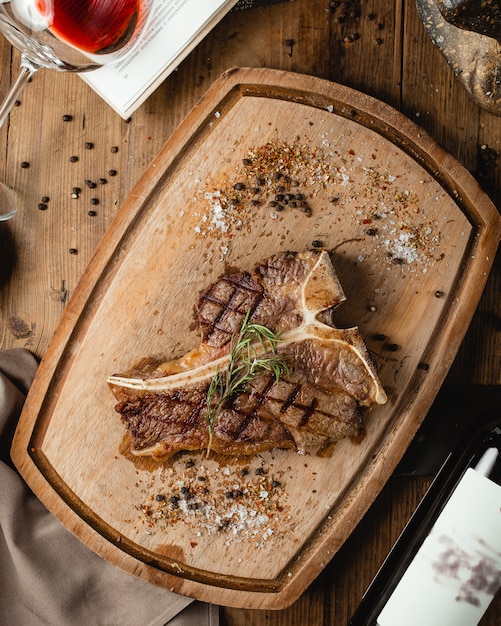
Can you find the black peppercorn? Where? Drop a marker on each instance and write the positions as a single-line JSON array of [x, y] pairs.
[[67, 118], [73, 158], [391, 347]]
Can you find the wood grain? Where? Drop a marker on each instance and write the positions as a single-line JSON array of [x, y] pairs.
[[384, 173], [38, 275]]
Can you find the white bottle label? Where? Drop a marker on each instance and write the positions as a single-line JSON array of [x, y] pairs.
[[457, 570]]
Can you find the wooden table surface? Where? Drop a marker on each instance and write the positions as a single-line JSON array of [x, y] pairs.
[[380, 48]]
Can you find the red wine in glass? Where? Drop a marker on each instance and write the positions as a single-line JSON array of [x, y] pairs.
[[92, 26]]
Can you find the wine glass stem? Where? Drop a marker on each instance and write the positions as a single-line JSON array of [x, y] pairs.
[[27, 71], [7, 206]]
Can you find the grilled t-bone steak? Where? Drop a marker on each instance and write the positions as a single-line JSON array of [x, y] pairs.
[[330, 375]]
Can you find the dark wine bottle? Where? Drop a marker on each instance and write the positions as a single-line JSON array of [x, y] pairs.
[[445, 567]]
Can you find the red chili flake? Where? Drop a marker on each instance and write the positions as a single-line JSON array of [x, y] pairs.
[[367, 221]]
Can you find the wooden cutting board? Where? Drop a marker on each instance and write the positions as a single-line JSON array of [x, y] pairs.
[[412, 237]]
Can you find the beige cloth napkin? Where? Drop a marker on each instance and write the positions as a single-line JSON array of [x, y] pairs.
[[49, 578]]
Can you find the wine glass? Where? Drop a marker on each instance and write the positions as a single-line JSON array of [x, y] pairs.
[[68, 36]]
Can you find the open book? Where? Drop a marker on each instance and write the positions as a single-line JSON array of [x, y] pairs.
[[173, 29]]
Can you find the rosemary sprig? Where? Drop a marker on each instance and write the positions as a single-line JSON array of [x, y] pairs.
[[244, 365]]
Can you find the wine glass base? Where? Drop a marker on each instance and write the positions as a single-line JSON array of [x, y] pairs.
[[8, 206]]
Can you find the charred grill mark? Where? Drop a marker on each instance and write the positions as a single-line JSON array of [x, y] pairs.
[[244, 290], [291, 398], [236, 433], [150, 412], [262, 397], [195, 414], [309, 411]]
